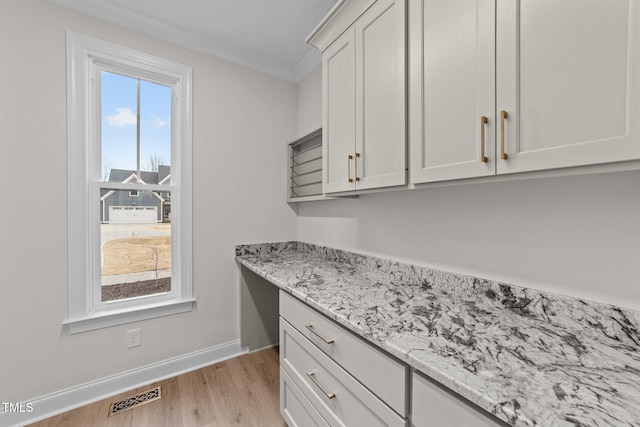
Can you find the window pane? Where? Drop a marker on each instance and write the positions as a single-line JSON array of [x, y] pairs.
[[119, 100], [155, 127], [135, 244]]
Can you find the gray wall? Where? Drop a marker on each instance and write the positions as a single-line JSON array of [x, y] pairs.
[[241, 122]]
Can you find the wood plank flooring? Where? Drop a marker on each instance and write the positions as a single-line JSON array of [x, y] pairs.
[[243, 391]]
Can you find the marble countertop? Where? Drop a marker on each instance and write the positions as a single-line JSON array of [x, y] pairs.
[[528, 357]]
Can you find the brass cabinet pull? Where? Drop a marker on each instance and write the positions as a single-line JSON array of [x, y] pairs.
[[356, 166], [503, 115], [310, 327], [483, 121], [312, 377], [349, 158]]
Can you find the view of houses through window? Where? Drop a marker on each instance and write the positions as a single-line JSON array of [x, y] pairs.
[[135, 223]]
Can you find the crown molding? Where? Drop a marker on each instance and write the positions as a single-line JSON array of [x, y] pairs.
[[126, 17]]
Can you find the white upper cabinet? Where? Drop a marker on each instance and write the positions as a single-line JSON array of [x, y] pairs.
[[380, 95], [452, 89], [339, 115], [564, 90], [568, 78], [364, 94]]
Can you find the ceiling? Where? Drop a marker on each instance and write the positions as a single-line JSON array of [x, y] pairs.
[[264, 35]]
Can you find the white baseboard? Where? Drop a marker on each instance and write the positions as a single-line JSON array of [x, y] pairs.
[[74, 397]]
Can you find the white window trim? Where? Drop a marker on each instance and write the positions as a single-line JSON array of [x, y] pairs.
[[86, 56]]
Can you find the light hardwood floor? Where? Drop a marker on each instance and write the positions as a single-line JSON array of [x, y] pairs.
[[243, 391]]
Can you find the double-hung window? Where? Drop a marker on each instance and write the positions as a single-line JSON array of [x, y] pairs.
[[129, 184]]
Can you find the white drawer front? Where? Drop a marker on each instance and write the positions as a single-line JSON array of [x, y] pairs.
[[384, 376], [319, 378], [295, 408], [435, 406]]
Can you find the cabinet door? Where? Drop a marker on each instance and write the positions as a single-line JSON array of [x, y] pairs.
[[380, 95], [339, 90], [452, 80], [433, 405], [568, 78]]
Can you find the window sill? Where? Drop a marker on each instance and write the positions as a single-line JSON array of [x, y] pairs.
[[119, 317]]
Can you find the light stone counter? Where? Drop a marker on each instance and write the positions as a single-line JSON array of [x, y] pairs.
[[530, 358]]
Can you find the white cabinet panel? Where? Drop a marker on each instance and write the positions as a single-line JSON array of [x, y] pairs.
[[437, 407], [337, 396], [564, 90], [452, 67], [296, 409], [364, 96], [569, 79], [338, 74], [380, 95]]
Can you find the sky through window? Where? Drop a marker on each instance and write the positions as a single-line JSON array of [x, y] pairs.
[[119, 123]]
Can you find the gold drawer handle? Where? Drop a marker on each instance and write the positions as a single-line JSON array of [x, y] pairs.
[[312, 377], [356, 166], [349, 158], [483, 121], [310, 327], [503, 154]]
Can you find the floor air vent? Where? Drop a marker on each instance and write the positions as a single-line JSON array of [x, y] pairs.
[[134, 401]]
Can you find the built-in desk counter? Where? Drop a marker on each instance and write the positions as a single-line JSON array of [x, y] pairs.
[[527, 357]]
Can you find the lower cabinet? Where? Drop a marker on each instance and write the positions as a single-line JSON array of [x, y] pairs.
[[384, 376], [337, 396], [317, 381], [433, 405]]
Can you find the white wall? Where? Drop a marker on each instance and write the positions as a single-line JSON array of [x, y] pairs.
[[578, 236], [309, 106], [242, 120]]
